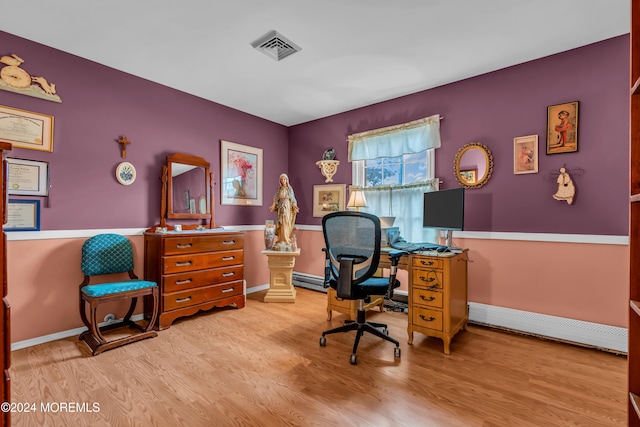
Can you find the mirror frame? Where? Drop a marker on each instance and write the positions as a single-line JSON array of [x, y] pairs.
[[167, 188], [488, 157]]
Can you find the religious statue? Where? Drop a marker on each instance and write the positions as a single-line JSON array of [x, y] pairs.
[[286, 207]]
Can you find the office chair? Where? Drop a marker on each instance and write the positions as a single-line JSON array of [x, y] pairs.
[[352, 252], [106, 254]]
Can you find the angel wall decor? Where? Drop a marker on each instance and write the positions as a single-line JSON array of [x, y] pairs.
[[566, 188]]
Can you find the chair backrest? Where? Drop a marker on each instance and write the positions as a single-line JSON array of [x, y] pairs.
[[355, 235], [106, 254]]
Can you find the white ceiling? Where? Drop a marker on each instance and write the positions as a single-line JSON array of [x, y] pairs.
[[354, 52]]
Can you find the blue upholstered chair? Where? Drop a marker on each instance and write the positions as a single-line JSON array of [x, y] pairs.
[[352, 250], [112, 254]]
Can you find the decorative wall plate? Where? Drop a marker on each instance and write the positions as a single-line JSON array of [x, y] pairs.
[[125, 173]]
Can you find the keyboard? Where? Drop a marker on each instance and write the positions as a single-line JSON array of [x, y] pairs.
[[419, 247]]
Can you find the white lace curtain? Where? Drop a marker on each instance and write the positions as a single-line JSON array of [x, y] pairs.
[[393, 141]]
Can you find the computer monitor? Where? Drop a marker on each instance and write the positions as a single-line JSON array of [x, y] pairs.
[[444, 210]]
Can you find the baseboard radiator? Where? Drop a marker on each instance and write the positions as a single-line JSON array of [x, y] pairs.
[[309, 281], [603, 337]]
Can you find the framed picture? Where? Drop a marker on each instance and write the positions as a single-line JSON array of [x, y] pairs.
[[27, 177], [525, 154], [562, 128], [241, 174], [24, 129], [469, 175], [23, 215], [328, 198]]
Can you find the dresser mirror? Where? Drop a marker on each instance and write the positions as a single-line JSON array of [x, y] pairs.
[[473, 165], [187, 191]]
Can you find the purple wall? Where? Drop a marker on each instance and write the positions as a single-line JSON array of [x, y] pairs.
[[99, 104], [493, 109]]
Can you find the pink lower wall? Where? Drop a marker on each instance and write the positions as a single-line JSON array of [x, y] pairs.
[[573, 280]]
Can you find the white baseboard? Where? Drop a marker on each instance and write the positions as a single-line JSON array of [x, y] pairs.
[[61, 335], [575, 331]]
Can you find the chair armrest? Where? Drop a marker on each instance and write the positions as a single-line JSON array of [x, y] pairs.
[[327, 268], [394, 257]]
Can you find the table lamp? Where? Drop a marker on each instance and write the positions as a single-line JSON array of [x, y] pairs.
[[357, 199]]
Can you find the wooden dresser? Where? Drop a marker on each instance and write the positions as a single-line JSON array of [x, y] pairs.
[[5, 318], [438, 296], [196, 270]]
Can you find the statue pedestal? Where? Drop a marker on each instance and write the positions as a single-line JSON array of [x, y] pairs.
[[280, 281]]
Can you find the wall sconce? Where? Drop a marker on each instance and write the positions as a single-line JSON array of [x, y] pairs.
[[357, 199]]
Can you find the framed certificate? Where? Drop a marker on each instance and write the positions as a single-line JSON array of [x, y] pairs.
[[24, 129], [23, 215], [27, 177]]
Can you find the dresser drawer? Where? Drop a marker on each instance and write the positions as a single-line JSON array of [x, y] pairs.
[[427, 262], [431, 319], [427, 297], [197, 279], [190, 262], [195, 244], [430, 279], [196, 296]]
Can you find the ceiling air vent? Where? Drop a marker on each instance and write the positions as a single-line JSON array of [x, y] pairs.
[[275, 45]]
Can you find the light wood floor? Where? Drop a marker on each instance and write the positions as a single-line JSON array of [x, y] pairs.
[[263, 366]]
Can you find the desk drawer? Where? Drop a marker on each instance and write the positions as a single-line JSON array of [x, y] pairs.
[[191, 262], [427, 262], [429, 279], [200, 295], [427, 297], [196, 244], [431, 319], [201, 278]]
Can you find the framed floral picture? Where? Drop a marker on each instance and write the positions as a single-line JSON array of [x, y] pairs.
[[328, 198], [241, 169]]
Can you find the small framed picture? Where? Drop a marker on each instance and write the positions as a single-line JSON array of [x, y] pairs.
[[562, 128], [525, 154], [27, 177], [328, 198], [23, 215], [469, 175]]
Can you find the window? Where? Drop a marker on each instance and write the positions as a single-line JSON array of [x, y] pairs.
[[394, 186], [395, 167]]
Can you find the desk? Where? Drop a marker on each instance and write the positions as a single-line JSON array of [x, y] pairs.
[[437, 293]]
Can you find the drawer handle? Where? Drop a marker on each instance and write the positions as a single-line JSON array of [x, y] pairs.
[[427, 319], [229, 242], [431, 298], [228, 274], [436, 286], [183, 245], [423, 262], [180, 300], [228, 258], [224, 291], [183, 282], [183, 264], [427, 279]]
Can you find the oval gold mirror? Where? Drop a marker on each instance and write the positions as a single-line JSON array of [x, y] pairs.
[[473, 165]]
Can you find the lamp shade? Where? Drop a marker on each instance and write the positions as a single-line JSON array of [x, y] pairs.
[[357, 200]]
